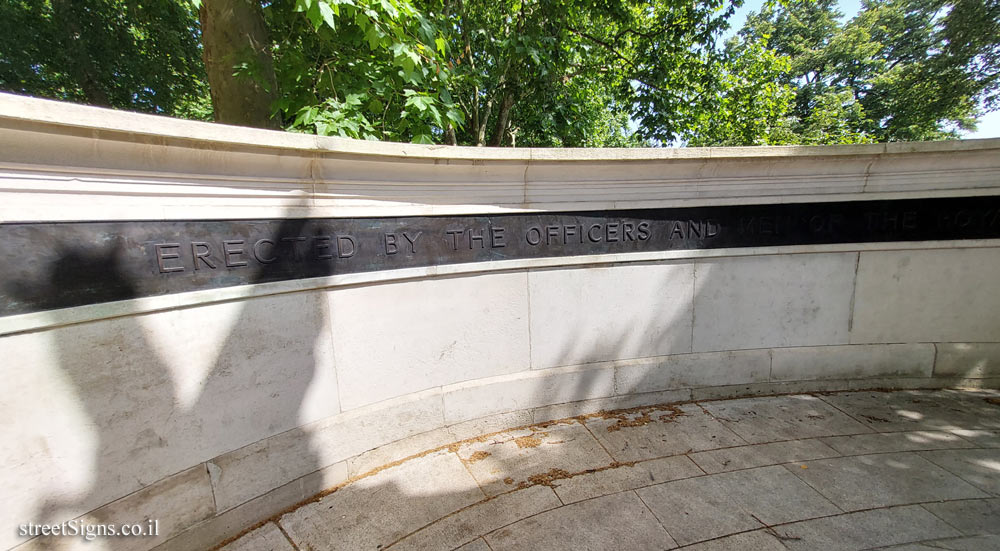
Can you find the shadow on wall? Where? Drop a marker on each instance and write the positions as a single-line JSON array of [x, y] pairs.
[[588, 318], [157, 417], [158, 389]]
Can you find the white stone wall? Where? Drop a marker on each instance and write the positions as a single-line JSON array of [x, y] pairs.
[[213, 410]]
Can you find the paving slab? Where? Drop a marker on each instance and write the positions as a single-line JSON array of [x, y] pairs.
[[711, 506], [625, 477], [475, 545], [865, 530], [969, 543], [981, 468], [887, 442], [918, 410], [979, 438], [758, 540], [696, 509], [458, 528], [572, 528], [774, 496], [380, 509], [777, 418], [507, 460], [757, 474], [863, 482], [975, 516], [759, 455], [265, 538], [653, 432]]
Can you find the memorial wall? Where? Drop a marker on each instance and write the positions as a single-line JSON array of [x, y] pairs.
[[206, 325]]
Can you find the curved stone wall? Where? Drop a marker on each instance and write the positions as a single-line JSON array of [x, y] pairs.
[[213, 407]]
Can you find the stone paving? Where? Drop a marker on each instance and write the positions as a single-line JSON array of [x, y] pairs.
[[860, 470]]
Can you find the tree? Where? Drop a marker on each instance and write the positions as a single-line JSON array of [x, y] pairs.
[[899, 70], [142, 56], [237, 54]]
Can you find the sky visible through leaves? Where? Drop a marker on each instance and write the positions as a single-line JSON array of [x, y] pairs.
[[989, 125]]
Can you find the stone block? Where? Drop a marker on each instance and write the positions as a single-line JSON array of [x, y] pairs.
[[852, 362], [976, 360], [950, 283], [398, 338], [772, 301], [595, 314], [526, 391], [692, 370]]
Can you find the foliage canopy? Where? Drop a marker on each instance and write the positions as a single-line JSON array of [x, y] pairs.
[[522, 72]]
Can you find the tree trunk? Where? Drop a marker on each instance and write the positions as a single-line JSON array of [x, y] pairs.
[[233, 33], [502, 118], [75, 45]]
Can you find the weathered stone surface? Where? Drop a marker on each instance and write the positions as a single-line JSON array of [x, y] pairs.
[[974, 516], [759, 420], [860, 444], [422, 334], [865, 529], [625, 477], [382, 508], [692, 370], [759, 455], [502, 462], [981, 468], [758, 540], [952, 307], [457, 529], [880, 480], [696, 509], [570, 528], [628, 401], [271, 462], [658, 432], [852, 362], [265, 538], [975, 360], [520, 391], [644, 310], [917, 410], [699, 509], [797, 300]]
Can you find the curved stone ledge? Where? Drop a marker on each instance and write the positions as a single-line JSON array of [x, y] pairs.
[[213, 410], [130, 166]]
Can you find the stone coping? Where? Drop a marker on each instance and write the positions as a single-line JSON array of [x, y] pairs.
[[22, 108], [777, 472]]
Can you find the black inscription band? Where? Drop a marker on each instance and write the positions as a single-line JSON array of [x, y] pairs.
[[50, 265]]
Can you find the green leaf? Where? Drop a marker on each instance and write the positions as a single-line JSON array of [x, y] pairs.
[[326, 12], [423, 138]]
